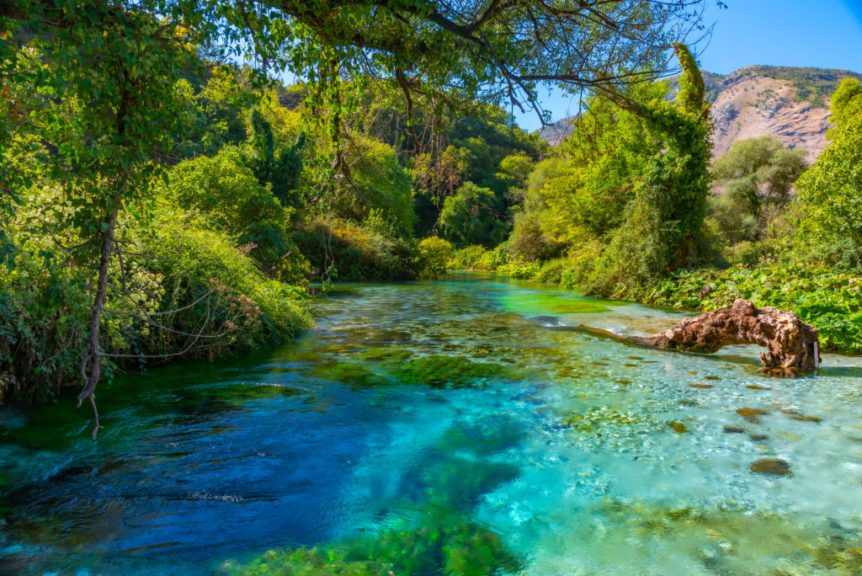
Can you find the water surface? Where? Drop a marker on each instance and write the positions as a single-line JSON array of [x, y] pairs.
[[463, 401]]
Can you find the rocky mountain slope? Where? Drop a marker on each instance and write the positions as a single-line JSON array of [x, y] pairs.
[[791, 104]]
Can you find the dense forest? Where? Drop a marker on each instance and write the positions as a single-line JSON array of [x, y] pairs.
[[163, 199]]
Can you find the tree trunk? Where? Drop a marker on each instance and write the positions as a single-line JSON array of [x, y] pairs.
[[91, 368], [792, 345]]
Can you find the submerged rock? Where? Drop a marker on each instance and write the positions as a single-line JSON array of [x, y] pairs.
[[771, 466], [752, 414], [792, 345], [678, 427]]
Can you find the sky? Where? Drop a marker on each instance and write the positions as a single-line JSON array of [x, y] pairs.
[[821, 33]]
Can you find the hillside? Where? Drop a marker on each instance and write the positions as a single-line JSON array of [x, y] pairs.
[[791, 104]]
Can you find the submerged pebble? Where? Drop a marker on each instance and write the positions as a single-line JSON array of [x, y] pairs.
[[771, 466], [752, 414]]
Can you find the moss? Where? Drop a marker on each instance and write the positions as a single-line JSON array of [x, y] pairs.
[[453, 482], [378, 354], [353, 374], [446, 371], [487, 436], [442, 542]]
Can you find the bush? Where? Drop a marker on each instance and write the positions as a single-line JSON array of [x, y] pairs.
[[467, 258], [346, 250], [228, 197], [209, 284], [376, 181], [434, 255], [182, 288]]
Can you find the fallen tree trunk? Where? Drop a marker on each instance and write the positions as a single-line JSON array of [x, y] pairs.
[[792, 345]]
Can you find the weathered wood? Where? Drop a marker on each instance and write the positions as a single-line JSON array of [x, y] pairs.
[[792, 345]]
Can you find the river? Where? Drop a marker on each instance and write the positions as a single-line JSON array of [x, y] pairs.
[[461, 411]]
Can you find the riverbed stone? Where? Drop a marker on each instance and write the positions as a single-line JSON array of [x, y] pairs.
[[771, 467]]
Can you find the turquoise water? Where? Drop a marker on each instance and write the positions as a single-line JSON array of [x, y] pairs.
[[465, 402]]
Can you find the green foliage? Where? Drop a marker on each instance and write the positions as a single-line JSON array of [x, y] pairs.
[[228, 196], [467, 258], [434, 254], [830, 192], [472, 216], [346, 250], [281, 169], [758, 171], [209, 280], [376, 181], [663, 229]]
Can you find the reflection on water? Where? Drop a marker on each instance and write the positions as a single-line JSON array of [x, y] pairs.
[[456, 420]]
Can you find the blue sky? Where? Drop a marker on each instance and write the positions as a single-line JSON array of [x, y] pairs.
[[821, 33]]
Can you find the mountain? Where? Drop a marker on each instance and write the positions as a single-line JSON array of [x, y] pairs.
[[789, 103]]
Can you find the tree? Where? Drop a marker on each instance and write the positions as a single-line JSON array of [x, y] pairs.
[[472, 216], [281, 169], [111, 70], [757, 171], [830, 192], [663, 228], [488, 48]]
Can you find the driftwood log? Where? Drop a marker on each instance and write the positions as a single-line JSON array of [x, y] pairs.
[[792, 345]]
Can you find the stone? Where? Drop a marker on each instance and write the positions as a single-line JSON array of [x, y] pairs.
[[771, 466], [752, 414], [792, 345], [678, 427]]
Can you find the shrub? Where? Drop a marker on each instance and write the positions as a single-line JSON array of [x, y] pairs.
[[347, 250], [376, 181], [467, 258], [434, 255], [229, 197]]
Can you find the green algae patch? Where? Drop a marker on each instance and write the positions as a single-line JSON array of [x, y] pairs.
[[441, 371], [452, 482], [380, 354], [350, 373], [598, 419], [440, 543], [539, 303], [484, 437]]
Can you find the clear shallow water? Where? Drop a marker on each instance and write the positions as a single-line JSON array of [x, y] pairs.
[[465, 400]]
